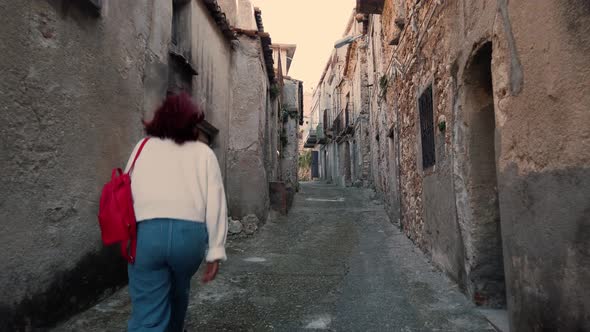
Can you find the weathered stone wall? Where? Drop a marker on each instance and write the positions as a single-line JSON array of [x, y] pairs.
[[423, 57], [427, 195], [247, 180], [510, 93], [77, 83], [290, 151], [362, 124], [72, 94], [542, 98], [374, 73], [271, 141], [211, 57]]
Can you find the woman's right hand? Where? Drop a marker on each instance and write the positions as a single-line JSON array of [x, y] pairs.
[[211, 272]]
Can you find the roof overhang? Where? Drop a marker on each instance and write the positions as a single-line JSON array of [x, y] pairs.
[[370, 6], [290, 49]]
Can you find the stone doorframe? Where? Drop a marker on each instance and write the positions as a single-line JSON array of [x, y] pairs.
[[478, 283]]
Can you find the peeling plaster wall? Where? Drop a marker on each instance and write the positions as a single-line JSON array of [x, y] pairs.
[[76, 86], [271, 141], [544, 162], [247, 178], [73, 95], [211, 56]]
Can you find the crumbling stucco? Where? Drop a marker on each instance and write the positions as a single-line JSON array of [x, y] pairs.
[[247, 182], [72, 96]]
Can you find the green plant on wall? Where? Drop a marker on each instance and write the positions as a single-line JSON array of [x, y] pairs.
[[274, 91], [284, 138], [286, 114], [305, 160], [284, 141], [304, 163]]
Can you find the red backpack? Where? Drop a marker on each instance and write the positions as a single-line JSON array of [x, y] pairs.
[[116, 215]]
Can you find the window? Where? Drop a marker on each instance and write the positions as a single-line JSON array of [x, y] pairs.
[[175, 23], [181, 71], [97, 4], [88, 7], [427, 128], [180, 75], [180, 34]]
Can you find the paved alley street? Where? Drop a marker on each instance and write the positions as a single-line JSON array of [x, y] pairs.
[[335, 263]]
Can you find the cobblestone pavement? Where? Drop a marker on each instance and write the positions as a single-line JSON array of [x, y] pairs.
[[335, 263]]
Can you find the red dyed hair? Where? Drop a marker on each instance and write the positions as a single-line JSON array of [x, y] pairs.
[[176, 119]]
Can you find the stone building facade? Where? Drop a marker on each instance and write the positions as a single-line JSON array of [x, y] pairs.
[[478, 144], [340, 120], [292, 118], [78, 78]]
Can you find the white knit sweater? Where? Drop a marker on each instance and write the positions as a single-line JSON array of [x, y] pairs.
[[181, 182]]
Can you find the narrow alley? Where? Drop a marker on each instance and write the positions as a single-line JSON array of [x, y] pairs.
[[335, 263], [369, 165]]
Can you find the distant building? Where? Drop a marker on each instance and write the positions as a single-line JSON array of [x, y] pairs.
[[339, 121]]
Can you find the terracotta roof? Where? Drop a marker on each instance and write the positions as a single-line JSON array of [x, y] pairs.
[[266, 42], [251, 33], [220, 19], [258, 16]]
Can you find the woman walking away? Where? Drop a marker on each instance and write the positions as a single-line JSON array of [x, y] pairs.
[[180, 207]]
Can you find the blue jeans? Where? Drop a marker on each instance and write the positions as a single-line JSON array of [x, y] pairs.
[[169, 252]]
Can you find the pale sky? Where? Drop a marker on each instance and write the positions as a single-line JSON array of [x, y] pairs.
[[314, 25]]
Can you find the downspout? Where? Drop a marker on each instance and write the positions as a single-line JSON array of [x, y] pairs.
[[398, 163]]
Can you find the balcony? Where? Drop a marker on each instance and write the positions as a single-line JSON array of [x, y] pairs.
[[342, 126], [311, 140], [370, 6]]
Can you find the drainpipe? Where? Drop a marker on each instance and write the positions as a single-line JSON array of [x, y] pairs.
[[398, 163]]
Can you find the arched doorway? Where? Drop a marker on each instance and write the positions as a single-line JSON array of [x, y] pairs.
[[476, 183]]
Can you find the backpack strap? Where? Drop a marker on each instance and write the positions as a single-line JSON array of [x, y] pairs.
[[137, 154], [129, 248]]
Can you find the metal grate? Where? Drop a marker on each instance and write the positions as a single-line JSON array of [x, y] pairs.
[[427, 128]]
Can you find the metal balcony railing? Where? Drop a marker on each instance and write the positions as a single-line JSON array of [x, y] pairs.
[[311, 139]]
